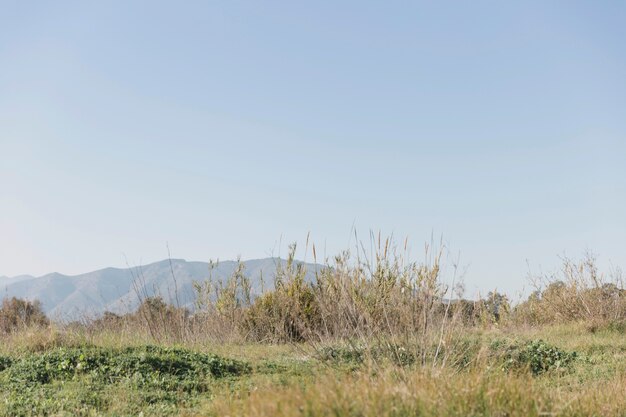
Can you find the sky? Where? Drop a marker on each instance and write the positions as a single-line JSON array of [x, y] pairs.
[[233, 128]]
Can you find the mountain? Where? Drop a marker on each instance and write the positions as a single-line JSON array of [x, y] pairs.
[[66, 297], [8, 280]]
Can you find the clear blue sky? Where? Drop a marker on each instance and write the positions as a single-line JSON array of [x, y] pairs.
[[221, 126]]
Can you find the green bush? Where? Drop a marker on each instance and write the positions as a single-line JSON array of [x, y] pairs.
[[536, 356], [356, 354], [5, 363], [343, 354]]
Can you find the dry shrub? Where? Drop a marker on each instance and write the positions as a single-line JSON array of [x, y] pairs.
[[386, 301], [40, 339], [17, 314], [164, 321], [578, 292], [220, 306], [154, 318], [378, 300], [290, 312], [369, 302]]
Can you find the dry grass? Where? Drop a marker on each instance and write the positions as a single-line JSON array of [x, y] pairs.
[[579, 292], [427, 393]]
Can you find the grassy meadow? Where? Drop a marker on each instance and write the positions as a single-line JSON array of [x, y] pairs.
[[373, 335]]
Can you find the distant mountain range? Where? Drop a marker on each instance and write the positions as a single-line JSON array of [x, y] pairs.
[[66, 297]]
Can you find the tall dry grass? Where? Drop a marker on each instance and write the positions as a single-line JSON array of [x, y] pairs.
[[364, 301], [578, 292], [427, 393]]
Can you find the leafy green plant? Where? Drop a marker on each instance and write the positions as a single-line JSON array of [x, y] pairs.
[[339, 354], [5, 363], [536, 355], [155, 375], [140, 364]]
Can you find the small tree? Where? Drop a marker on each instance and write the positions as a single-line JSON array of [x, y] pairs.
[[17, 313], [497, 306], [162, 319]]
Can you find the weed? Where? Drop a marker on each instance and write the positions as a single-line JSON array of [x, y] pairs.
[[536, 356]]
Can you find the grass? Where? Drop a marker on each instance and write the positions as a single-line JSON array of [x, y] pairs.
[[554, 370]]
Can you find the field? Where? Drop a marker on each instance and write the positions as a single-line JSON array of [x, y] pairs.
[[52, 373], [376, 339]]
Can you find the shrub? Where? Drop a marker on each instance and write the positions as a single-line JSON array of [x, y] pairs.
[[371, 301], [164, 321], [357, 354], [578, 292], [16, 313], [343, 354], [5, 362], [536, 356], [290, 313]]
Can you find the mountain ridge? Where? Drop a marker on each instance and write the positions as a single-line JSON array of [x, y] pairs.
[[90, 294]]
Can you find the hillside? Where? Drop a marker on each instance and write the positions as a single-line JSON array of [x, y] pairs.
[[113, 289]]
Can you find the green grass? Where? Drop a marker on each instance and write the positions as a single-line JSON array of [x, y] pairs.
[[562, 370], [81, 381]]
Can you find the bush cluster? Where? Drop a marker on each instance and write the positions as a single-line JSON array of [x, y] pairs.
[[577, 293], [16, 314]]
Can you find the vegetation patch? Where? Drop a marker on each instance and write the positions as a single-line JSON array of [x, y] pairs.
[[343, 354], [5, 362], [393, 353], [111, 365], [536, 356], [77, 380]]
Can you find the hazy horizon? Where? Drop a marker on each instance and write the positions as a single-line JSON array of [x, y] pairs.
[[236, 128]]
